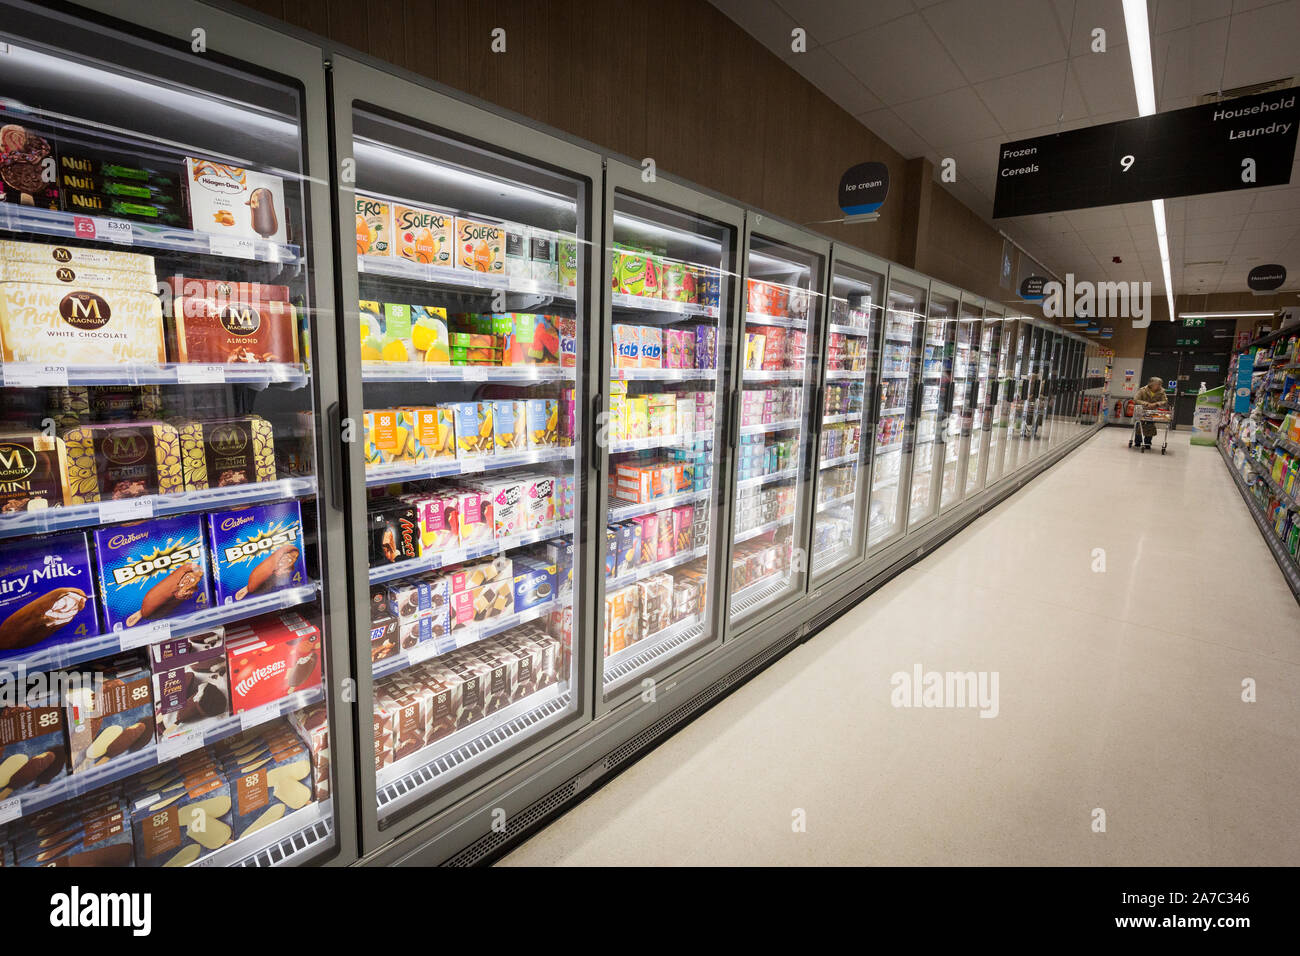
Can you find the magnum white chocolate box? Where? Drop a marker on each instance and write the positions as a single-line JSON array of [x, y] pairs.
[[15, 251], [72, 277], [79, 326]]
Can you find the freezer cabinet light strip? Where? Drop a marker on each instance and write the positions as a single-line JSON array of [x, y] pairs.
[[133, 509], [424, 372], [74, 785], [761, 529], [68, 654], [441, 559], [395, 267]]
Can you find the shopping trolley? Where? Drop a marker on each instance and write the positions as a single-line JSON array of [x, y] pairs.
[[1157, 416]]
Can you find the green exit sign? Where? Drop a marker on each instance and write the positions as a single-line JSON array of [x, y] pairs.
[[1194, 323]]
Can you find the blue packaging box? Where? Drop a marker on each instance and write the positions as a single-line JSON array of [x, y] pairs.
[[534, 582], [151, 570], [256, 549], [629, 545], [47, 593]]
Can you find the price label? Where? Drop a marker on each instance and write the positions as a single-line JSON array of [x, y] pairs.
[[200, 374], [145, 634], [475, 375], [232, 246], [423, 652], [36, 376], [114, 230], [170, 748], [128, 509], [11, 809], [471, 466], [361, 264], [453, 557], [259, 715]]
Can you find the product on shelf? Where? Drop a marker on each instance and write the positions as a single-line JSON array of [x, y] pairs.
[[270, 774], [233, 201], [150, 570], [480, 246], [109, 711], [214, 321], [256, 549], [190, 686], [112, 462], [24, 156], [33, 750], [92, 831], [47, 593], [374, 226], [312, 726], [271, 657], [181, 812], [393, 531], [216, 453], [424, 235], [33, 472]]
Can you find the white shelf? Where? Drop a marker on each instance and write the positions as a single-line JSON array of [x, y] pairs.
[[841, 417], [400, 471], [896, 410], [395, 267], [643, 303], [260, 375], [623, 512], [741, 536], [841, 460], [108, 512], [142, 235], [772, 375], [838, 502], [620, 445], [763, 427], [663, 374], [424, 372], [449, 556], [760, 480], [849, 329], [834, 374], [785, 321], [643, 571]]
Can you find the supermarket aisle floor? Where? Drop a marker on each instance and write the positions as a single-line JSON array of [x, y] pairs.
[[1118, 690]]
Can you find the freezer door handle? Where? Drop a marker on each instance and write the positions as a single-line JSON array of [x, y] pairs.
[[602, 429], [338, 451], [733, 417]]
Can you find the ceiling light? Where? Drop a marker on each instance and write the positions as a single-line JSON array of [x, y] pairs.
[[1227, 315], [1144, 86]]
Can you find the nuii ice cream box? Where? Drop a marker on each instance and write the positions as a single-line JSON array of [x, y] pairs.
[[150, 570], [256, 550], [47, 593]]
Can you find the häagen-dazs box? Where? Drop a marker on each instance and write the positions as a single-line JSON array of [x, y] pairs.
[[232, 201]]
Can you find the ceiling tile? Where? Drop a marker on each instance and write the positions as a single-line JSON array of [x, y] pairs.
[[830, 20], [977, 162], [827, 74], [1106, 81], [899, 61], [1278, 197], [1262, 45], [1189, 63], [1214, 224], [1218, 204], [894, 132], [1033, 98], [1106, 234], [981, 43], [763, 20], [1083, 16], [1260, 221], [1100, 217], [949, 118]]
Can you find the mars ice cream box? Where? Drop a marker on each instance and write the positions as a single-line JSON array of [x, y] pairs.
[[150, 570], [47, 593], [256, 550]]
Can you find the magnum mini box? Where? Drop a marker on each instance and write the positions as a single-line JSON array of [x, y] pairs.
[[256, 549], [111, 462], [151, 570], [33, 472], [227, 451], [47, 593]]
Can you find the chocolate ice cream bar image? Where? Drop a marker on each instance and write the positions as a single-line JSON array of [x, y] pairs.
[[262, 204], [41, 617], [272, 572], [165, 596], [302, 669]]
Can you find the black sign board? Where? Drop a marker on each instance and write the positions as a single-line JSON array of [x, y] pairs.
[[1031, 290], [863, 188], [1266, 278], [1237, 144]]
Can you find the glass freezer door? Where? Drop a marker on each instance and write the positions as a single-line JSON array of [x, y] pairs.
[[895, 411], [1017, 451], [783, 300], [1000, 437], [984, 400], [938, 359], [167, 351], [671, 279], [470, 325], [856, 314], [959, 432]]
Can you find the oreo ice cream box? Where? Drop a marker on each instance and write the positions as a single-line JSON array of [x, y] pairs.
[[150, 570], [256, 549], [47, 594]]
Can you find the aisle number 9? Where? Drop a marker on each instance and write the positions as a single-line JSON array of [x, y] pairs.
[[1127, 162]]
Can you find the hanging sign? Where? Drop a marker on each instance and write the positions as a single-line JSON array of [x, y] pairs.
[[1266, 278], [863, 188], [1031, 290]]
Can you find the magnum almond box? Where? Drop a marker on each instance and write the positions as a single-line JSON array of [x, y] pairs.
[[33, 472], [151, 570], [111, 462], [256, 550], [47, 593], [228, 451], [79, 325], [219, 322]]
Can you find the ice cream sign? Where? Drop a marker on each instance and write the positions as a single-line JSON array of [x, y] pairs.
[[863, 189]]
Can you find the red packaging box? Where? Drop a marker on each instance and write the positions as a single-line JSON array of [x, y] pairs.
[[270, 658]]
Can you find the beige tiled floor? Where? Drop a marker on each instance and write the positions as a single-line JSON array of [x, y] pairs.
[[1118, 690]]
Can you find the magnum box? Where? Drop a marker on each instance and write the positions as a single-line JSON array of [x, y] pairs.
[[79, 325], [47, 593], [256, 550], [111, 462], [98, 259], [33, 472], [227, 451], [150, 570], [223, 322]]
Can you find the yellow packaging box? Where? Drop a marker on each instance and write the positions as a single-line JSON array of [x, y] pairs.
[[75, 326], [424, 235], [480, 246]]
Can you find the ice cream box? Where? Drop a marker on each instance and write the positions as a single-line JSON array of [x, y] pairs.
[[79, 325], [566, 254], [32, 745], [509, 426], [627, 346], [424, 235], [533, 340], [473, 517], [482, 604], [428, 433], [429, 336], [151, 570], [474, 428], [567, 330], [12, 250], [503, 506], [190, 686], [385, 439], [112, 462], [56, 274], [480, 246], [542, 256], [271, 657], [109, 712], [232, 201], [542, 420], [518, 265], [47, 593], [651, 342], [536, 502], [374, 226], [256, 549], [33, 472], [534, 583], [649, 538], [436, 519], [227, 451], [207, 330]]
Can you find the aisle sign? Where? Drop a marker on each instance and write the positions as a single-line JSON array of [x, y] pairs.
[[1245, 369], [1243, 143], [863, 188], [1266, 278]]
